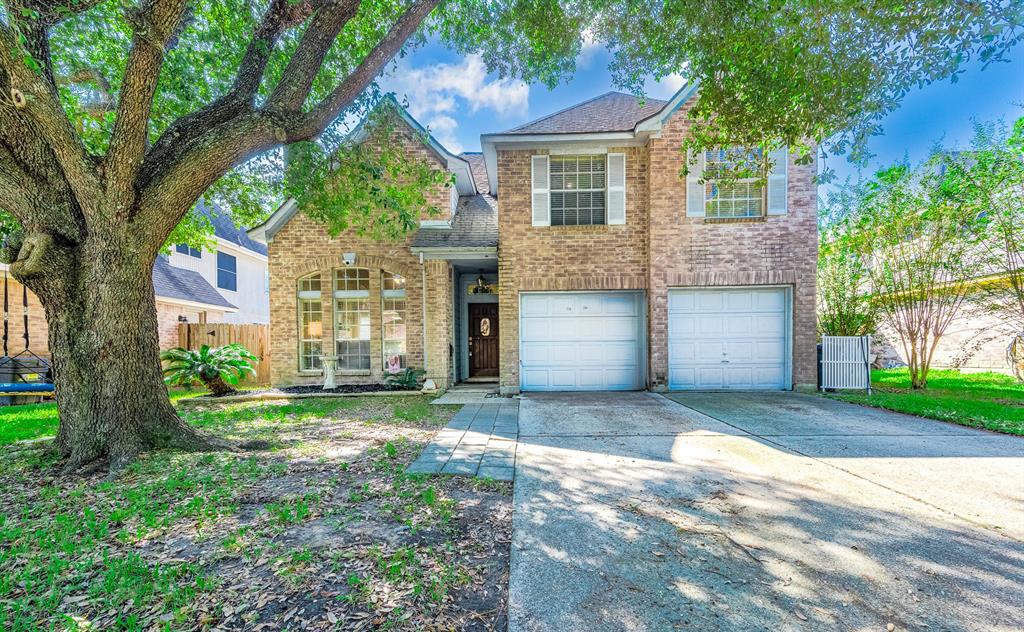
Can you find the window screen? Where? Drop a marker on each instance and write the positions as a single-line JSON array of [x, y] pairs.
[[577, 185]]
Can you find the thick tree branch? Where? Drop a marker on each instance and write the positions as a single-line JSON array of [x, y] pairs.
[[30, 95], [156, 22], [174, 187], [53, 12], [280, 16], [313, 123], [296, 82]]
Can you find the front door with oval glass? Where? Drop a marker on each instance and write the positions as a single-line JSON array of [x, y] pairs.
[[483, 340]]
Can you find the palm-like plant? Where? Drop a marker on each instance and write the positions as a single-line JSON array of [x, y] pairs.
[[216, 367]]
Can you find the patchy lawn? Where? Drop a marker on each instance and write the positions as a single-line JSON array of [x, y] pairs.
[[982, 400], [321, 531]]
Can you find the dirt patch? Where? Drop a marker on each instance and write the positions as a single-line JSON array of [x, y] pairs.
[[322, 532]]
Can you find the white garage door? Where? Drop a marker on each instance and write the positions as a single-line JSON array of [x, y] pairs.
[[580, 341], [728, 339]]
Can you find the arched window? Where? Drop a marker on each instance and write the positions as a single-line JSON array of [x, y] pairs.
[[311, 323], [393, 315], [352, 318]]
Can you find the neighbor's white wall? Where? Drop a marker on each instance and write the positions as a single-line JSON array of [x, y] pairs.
[[251, 298]]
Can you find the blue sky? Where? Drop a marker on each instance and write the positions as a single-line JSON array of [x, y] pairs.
[[458, 101]]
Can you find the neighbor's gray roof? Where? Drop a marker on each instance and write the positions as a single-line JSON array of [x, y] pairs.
[[185, 285], [475, 225], [225, 228], [477, 168], [611, 112]]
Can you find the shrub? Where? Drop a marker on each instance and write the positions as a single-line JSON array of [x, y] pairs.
[[408, 379], [215, 367]]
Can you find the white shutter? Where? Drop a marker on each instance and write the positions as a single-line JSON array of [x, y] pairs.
[[616, 188], [695, 188], [541, 194], [777, 182]]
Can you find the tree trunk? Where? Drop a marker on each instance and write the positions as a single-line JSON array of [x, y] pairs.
[[104, 346]]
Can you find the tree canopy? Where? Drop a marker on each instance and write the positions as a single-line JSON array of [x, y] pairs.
[[796, 72]]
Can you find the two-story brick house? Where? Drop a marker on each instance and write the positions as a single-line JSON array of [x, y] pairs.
[[571, 255]]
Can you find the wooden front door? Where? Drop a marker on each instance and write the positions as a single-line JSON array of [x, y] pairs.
[[483, 339]]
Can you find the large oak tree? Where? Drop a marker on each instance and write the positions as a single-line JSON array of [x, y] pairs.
[[116, 116]]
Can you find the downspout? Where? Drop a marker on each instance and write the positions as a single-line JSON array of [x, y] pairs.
[[423, 302]]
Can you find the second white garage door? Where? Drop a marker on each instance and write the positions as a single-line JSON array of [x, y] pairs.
[[581, 341], [728, 338]]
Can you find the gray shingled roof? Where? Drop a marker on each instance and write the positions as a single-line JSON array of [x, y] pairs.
[[475, 225], [225, 228], [611, 112], [186, 285], [477, 168]]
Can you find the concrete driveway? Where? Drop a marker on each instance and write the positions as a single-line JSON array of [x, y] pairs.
[[771, 511]]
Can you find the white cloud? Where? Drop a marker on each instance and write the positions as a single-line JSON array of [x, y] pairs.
[[443, 128], [589, 49], [667, 87], [438, 94]]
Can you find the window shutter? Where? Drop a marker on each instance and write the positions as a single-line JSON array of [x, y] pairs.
[[541, 193], [616, 188], [777, 182], [695, 188]]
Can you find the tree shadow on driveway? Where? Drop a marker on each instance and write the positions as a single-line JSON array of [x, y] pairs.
[[622, 524]]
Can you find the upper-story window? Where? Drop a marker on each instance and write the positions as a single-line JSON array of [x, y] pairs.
[[731, 197], [227, 271], [185, 249], [577, 186]]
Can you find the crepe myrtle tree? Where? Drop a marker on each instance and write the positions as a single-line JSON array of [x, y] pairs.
[[116, 116]]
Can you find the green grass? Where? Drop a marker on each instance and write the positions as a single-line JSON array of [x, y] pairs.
[[982, 400], [34, 421]]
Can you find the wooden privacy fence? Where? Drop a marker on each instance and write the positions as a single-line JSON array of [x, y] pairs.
[[255, 338], [846, 362]]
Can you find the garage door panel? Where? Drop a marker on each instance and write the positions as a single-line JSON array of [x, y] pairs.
[[620, 305], [728, 338], [622, 353], [581, 341], [710, 302], [770, 301], [534, 353]]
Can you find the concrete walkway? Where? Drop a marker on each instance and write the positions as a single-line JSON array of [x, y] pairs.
[[480, 441], [760, 512]]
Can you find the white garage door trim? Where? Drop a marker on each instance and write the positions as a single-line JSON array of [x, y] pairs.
[[689, 351], [582, 341]]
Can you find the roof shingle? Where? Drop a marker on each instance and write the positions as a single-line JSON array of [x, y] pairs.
[[475, 225], [610, 112], [185, 285], [477, 168]]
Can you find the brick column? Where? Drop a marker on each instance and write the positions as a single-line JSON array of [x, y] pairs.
[[439, 299]]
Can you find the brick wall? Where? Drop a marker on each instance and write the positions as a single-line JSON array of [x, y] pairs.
[[37, 329], [303, 247], [167, 318], [540, 258], [658, 248]]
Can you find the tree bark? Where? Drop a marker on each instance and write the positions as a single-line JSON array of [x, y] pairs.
[[105, 355]]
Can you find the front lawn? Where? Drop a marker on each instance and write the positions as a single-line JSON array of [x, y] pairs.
[[982, 400], [322, 530]]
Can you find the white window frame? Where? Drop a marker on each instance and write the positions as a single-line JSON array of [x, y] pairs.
[[712, 204], [309, 304], [351, 296], [596, 158], [393, 301]]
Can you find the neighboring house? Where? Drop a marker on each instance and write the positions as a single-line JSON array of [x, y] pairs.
[[571, 255], [237, 268], [191, 286]]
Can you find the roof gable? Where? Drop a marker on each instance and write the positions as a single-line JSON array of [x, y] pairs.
[[610, 112]]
